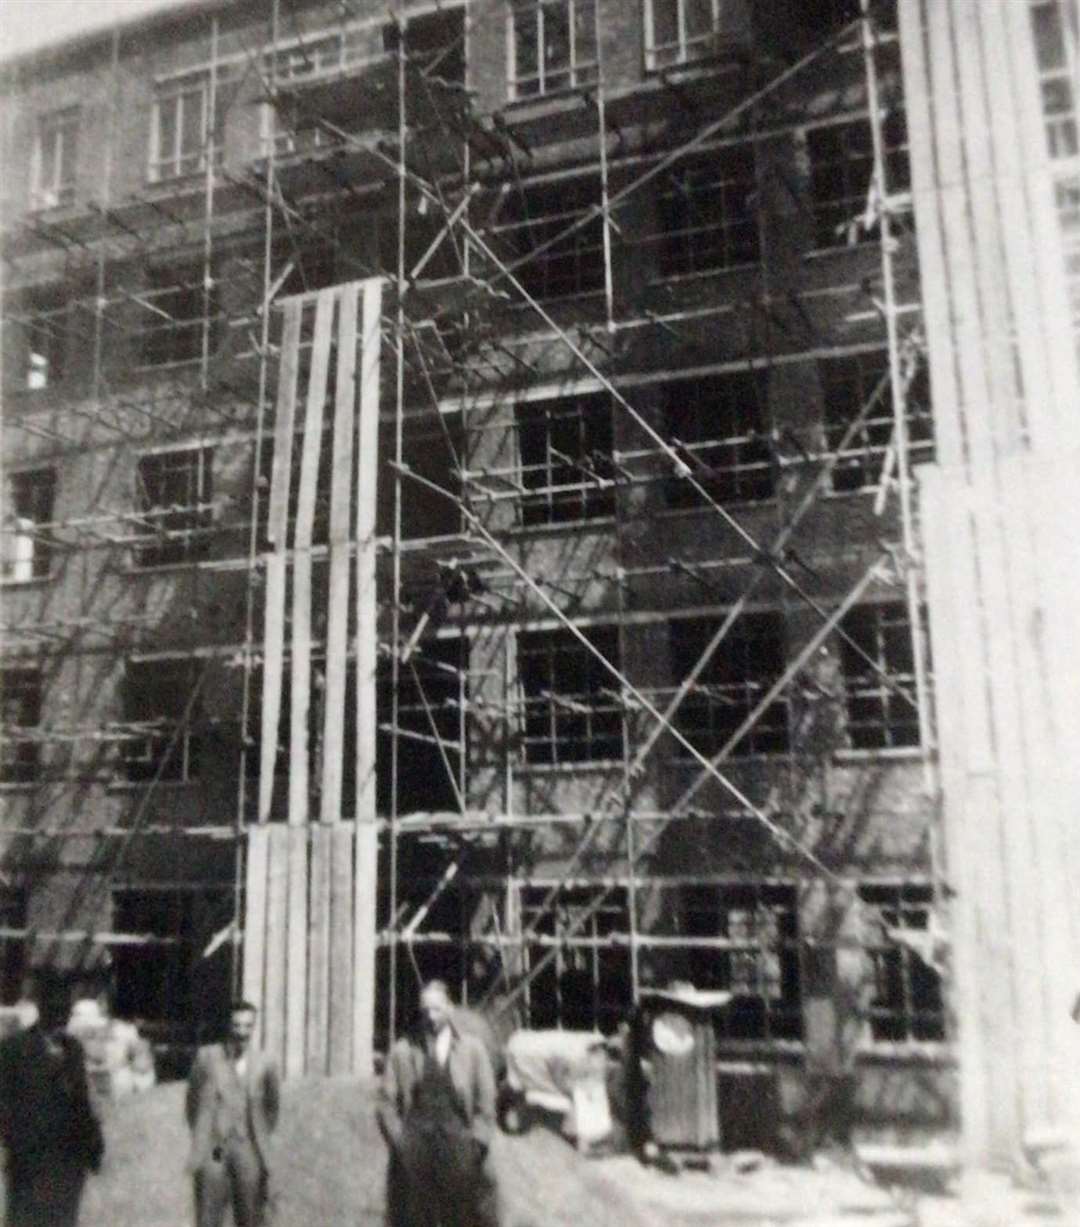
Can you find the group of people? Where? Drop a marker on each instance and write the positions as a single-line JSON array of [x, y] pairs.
[[436, 1111]]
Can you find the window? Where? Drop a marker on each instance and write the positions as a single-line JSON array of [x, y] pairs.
[[747, 661], [907, 1002], [565, 447], [14, 914], [26, 542], [178, 308], [43, 324], [20, 751], [572, 710], [434, 44], [757, 960], [532, 220], [841, 173], [173, 492], [706, 216], [847, 385], [1052, 52], [156, 694], [587, 986], [184, 132], [878, 716], [717, 424], [824, 17], [165, 980], [55, 159], [681, 31], [553, 47]]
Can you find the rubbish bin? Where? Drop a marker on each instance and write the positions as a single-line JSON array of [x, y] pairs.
[[674, 1029]]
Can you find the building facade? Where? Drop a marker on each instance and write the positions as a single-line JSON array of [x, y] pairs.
[[652, 681]]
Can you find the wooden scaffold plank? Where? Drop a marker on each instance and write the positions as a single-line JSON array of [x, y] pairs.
[[276, 935], [297, 952], [318, 1014], [341, 948], [255, 888]]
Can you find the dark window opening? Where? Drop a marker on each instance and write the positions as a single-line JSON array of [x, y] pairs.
[[587, 985], [683, 31], [166, 743], [26, 547], [14, 914], [554, 46], [1052, 37], [707, 215], [825, 17], [572, 708], [878, 662], [434, 43], [847, 385], [56, 154], [165, 981], [20, 705], [746, 663], [717, 425], [177, 310], [758, 960], [533, 221], [907, 1002], [565, 447], [841, 173], [42, 327], [173, 494]]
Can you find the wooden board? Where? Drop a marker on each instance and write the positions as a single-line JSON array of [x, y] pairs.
[[297, 966], [318, 1013], [341, 948], [340, 560], [276, 914], [273, 662], [255, 887], [364, 948]]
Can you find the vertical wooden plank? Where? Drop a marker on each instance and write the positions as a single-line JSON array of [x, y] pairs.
[[297, 946], [277, 520], [365, 919], [318, 1018], [307, 491], [255, 887], [340, 505], [276, 904], [341, 947]]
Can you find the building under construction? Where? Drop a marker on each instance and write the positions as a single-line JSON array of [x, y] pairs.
[[564, 496]]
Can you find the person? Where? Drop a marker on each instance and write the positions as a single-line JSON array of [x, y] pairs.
[[47, 1122], [232, 1107], [436, 1111]]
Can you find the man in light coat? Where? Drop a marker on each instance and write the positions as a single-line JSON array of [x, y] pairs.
[[436, 1111], [232, 1105]]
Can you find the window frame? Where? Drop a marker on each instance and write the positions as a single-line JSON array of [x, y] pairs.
[[579, 499], [862, 685], [179, 162], [547, 719], [20, 758], [726, 703], [54, 174], [577, 71], [897, 968], [193, 519], [1061, 119], [41, 546], [181, 753], [686, 48]]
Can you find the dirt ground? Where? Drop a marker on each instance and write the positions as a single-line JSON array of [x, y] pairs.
[[329, 1169]]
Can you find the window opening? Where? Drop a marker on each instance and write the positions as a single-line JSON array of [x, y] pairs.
[[553, 46], [683, 31], [878, 717], [14, 914], [184, 133], [157, 693], [707, 219], [174, 492], [564, 445], [175, 304], [27, 548], [55, 162], [20, 696], [1052, 53]]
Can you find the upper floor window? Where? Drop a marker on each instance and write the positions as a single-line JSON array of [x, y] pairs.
[[877, 660], [157, 694], [20, 709], [744, 666], [553, 46], [717, 423], [55, 159], [29, 499], [565, 449], [856, 382], [572, 709], [757, 960], [1055, 53], [903, 947], [681, 31], [41, 339], [185, 134], [707, 219], [532, 220], [173, 492], [180, 309], [842, 174]]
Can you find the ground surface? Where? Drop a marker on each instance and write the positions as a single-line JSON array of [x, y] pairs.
[[329, 1169]]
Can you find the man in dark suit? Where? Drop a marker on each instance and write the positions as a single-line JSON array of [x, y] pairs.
[[47, 1124], [233, 1099], [436, 1111]]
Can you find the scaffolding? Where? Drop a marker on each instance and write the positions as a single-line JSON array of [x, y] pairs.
[[522, 390]]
